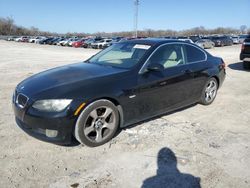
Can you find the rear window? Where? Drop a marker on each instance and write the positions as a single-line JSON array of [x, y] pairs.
[[194, 54]]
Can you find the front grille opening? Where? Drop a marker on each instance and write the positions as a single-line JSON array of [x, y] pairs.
[[21, 100]]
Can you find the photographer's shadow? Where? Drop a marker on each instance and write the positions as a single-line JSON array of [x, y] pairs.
[[168, 176]]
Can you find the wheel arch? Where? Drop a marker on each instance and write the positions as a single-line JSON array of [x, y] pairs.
[[217, 79]]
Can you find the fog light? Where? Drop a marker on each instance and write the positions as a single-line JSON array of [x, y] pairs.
[[51, 133]]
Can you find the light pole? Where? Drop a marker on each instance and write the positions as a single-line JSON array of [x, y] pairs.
[[136, 3]]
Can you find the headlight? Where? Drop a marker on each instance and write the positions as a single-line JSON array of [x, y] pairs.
[[51, 105]]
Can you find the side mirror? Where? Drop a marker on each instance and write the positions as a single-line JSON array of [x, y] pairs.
[[155, 67]]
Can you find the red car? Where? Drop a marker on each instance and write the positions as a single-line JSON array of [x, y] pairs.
[[78, 44]]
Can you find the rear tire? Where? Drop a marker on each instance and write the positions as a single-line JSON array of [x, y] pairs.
[[246, 65], [97, 124], [209, 91]]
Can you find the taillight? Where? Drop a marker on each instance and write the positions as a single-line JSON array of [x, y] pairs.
[[242, 46]]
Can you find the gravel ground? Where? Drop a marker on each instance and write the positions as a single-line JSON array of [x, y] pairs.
[[199, 145]]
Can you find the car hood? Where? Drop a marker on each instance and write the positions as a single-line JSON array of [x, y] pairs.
[[64, 76]]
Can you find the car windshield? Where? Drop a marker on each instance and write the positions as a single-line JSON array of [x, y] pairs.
[[121, 55]]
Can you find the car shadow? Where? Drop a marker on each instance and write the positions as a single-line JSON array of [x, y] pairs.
[[168, 175], [237, 66]]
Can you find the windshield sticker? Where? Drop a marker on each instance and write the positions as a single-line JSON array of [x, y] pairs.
[[142, 46]]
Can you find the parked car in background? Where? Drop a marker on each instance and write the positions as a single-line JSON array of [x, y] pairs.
[[245, 53], [46, 40], [242, 38], [57, 40], [87, 43], [67, 42], [62, 42], [205, 43], [236, 39], [100, 44], [186, 40], [22, 39], [71, 41], [127, 83], [222, 41], [11, 38], [38, 41], [32, 39], [195, 38], [78, 43], [50, 42]]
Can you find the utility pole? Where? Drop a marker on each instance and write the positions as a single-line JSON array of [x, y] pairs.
[[136, 3]]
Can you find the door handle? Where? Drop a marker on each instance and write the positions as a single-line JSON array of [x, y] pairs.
[[188, 71], [163, 83]]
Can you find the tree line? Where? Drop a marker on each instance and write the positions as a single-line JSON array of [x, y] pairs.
[[9, 28]]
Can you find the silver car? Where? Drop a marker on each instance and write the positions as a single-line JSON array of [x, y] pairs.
[[205, 43], [236, 39]]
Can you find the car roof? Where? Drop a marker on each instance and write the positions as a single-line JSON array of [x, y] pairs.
[[154, 41]]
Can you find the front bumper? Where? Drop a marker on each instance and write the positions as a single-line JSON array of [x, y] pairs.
[[38, 125]]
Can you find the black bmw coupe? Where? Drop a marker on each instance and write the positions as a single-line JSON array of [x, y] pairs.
[[126, 83]]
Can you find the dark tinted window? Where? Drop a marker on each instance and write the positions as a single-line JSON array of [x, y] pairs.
[[194, 54]]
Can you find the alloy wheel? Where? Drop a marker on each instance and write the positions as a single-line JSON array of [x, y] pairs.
[[210, 91], [99, 124]]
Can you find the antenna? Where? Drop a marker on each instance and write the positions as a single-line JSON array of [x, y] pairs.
[[136, 3]]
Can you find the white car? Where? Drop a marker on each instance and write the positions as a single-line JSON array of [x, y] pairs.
[[70, 42], [100, 44], [186, 40], [66, 42], [235, 39], [22, 39], [62, 42], [36, 39]]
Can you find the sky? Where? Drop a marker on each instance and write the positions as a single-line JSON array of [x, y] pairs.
[[91, 16]]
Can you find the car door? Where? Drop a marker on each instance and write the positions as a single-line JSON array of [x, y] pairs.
[[196, 63], [158, 91]]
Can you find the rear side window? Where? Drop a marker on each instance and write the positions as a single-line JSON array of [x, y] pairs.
[[194, 54]]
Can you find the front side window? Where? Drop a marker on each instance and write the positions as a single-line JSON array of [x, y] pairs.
[[194, 54], [169, 55], [121, 55]]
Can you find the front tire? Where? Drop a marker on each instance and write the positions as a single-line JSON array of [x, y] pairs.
[[97, 124], [209, 92]]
